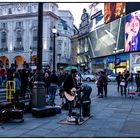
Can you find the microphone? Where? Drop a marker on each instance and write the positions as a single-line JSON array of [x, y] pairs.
[[133, 39]]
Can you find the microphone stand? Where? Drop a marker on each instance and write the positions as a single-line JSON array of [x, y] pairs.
[[80, 117]]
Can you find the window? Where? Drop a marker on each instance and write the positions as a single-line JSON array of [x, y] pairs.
[[19, 39], [0, 11], [3, 39], [19, 24], [3, 25], [9, 11], [34, 23], [29, 8], [35, 38]]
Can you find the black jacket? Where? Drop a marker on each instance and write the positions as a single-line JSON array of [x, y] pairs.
[[69, 83]]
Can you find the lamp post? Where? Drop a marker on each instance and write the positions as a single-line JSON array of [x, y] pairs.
[[54, 31], [31, 51], [115, 50], [38, 92], [59, 58]]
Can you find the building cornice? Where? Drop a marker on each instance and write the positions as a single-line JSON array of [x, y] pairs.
[[27, 15]]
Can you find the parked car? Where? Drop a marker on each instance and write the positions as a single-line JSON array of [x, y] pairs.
[[111, 78], [87, 77]]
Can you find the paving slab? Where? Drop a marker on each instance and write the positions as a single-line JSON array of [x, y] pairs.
[[114, 116]]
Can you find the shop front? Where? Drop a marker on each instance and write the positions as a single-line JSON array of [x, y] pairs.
[[98, 65], [121, 63], [134, 62]]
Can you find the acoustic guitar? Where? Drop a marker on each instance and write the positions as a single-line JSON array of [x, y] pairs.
[[71, 97]]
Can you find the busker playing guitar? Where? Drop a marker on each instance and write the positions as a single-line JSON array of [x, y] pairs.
[[70, 86]]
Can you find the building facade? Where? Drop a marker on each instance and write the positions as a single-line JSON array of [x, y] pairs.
[[18, 32]]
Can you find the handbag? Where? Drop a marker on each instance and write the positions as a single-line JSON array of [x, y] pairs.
[[122, 83]]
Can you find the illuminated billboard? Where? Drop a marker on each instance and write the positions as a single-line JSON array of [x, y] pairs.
[[96, 16], [104, 40], [132, 32], [113, 11]]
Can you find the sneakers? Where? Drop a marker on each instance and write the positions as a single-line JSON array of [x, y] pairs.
[[70, 119]]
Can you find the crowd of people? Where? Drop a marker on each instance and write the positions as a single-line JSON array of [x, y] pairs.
[[24, 80], [126, 83]]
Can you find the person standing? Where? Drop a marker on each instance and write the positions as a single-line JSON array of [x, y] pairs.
[[47, 82], [118, 77], [105, 83], [17, 86], [70, 83], [137, 79], [123, 84], [53, 87], [100, 84], [24, 82]]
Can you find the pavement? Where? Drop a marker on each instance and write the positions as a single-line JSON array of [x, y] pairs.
[[113, 116]]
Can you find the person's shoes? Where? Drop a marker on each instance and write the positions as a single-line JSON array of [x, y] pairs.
[[70, 119], [101, 96]]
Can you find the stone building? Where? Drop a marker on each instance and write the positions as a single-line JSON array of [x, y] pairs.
[[18, 33]]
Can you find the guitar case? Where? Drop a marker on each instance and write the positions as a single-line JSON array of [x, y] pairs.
[[11, 115], [4, 114], [6, 104], [16, 115], [44, 111]]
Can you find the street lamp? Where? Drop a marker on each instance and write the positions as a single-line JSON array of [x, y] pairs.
[[59, 58], [54, 31], [115, 52], [38, 92], [31, 51]]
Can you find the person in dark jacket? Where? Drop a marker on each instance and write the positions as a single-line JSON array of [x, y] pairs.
[[118, 78], [24, 75], [137, 79], [53, 87], [123, 84], [105, 82], [47, 82], [17, 86], [69, 83], [100, 85]]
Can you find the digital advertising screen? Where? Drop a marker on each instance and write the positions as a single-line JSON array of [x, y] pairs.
[[132, 6], [113, 11], [104, 40], [132, 32], [96, 16]]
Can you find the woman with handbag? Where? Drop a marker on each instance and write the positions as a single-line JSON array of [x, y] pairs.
[[123, 84]]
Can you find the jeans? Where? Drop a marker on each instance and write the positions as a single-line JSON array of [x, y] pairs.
[[123, 90], [105, 89], [52, 93], [70, 107]]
